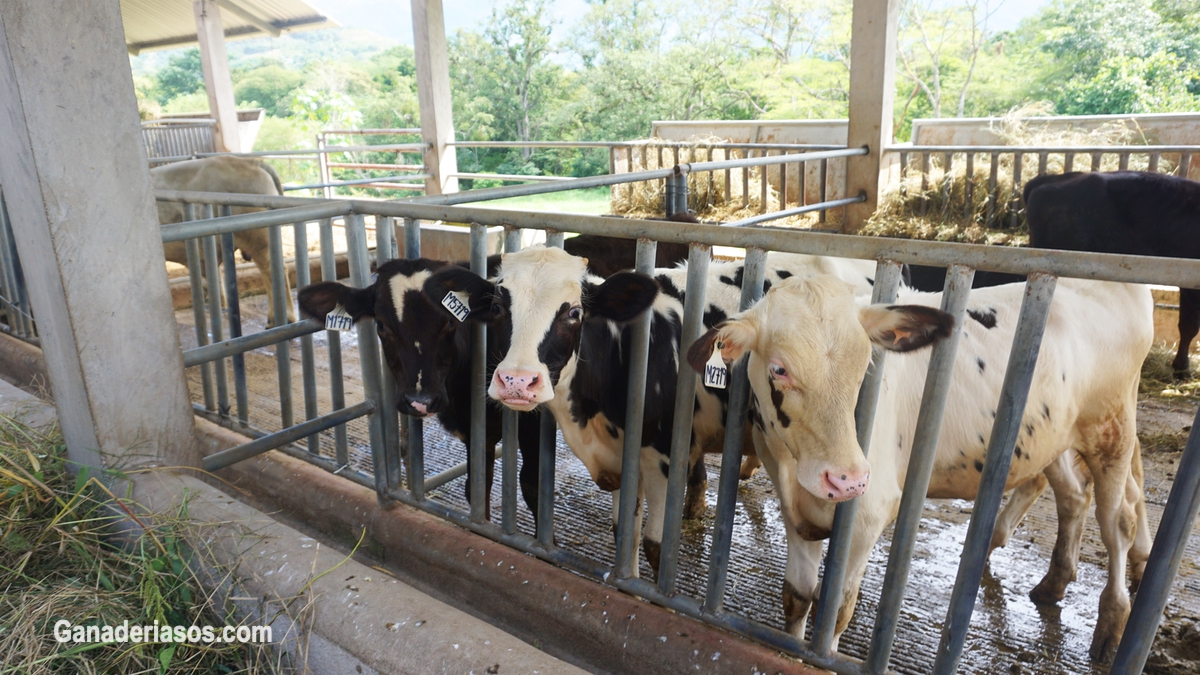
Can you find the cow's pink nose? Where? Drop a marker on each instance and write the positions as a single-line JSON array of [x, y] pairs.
[[840, 486], [518, 386]]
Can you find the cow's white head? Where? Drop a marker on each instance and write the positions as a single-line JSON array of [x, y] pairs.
[[540, 299], [810, 344]]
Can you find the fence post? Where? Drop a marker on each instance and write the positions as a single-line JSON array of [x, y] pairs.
[[872, 89]]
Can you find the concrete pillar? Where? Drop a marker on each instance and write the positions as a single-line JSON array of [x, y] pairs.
[[433, 95], [217, 82], [75, 177], [872, 90]]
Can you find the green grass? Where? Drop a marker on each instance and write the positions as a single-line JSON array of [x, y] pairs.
[[592, 201]]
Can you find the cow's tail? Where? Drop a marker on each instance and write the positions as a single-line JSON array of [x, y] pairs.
[[274, 176]]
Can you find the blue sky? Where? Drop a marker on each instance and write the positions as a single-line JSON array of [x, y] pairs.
[[393, 18]]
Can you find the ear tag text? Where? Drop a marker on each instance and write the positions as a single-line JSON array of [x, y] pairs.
[[456, 302], [716, 375], [338, 319]]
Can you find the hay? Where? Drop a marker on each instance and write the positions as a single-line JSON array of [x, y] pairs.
[[59, 560], [950, 205], [710, 197]]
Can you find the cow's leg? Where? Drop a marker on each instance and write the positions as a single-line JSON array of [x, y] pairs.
[[1023, 498], [1072, 497], [654, 487], [529, 441], [799, 578], [697, 489], [256, 244], [869, 523], [750, 464], [1140, 551], [1110, 461], [1189, 325]]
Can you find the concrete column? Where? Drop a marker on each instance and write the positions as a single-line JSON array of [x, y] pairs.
[[872, 89], [433, 95], [217, 82], [75, 177]]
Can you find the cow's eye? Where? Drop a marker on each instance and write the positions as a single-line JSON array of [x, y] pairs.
[[777, 370], [497, 309], [575, 313]]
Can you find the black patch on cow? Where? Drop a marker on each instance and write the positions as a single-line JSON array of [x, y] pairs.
[[777, 400], [1017, 452], [665, 468], [766, 285], [981, 440], [986, 318], [755, 418], [870, 281], [668, 287], [1029, 429], [980, 362], [784, 274], [979, 466], [1046, 412], [1064, 376], [714, 316], [993, 413]]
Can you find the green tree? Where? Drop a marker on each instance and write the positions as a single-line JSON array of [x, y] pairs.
[[182, 75], [271, 87]]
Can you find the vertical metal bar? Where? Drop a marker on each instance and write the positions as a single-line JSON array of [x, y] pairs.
[[554, 238], [800, 199], [947, 169], [385, 235], [681, 190], [993, 197], [308, 366], [368, 345], [1185, 162], [213, 275], [1043, 159], [8, 256], [414, 427], [924, 183], [887, 280], [1035, 308], [695, 301], [509, 423], [1068, 162], [725, 154], [280, 298], [477, 456], [731, 456], [192, 247], [1015, 201], [969, 189], [669, 196], [746, 154], [1123, 161], [763, 185], [639, 357], [1170, 544], [547, 447], [1095, 161], [783, 184], [233, 306], [824, 188], [15, 278], [337, 393], [920, 466], [1153, 162]]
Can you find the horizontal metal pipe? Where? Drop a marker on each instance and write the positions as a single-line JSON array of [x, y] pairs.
[[768, 160], [220, 350], [1126, 268], [439, 479], [252, 221], [394, 147], [379, 167], [359, 181], [622, 144], [370, 132], [222, 459], [1082, 149], [235, 199], [513, 176], [787, 213]]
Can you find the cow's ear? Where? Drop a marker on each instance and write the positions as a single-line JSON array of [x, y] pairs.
[[456, 279], [318, 300], [622, 297], [734, 338], [903, 328]]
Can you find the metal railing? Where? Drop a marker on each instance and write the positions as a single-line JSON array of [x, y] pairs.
[[166, 138], [18, 318], [395, 447], [937, 167]]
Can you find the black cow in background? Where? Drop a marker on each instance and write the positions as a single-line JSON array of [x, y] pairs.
[[1130, 212]]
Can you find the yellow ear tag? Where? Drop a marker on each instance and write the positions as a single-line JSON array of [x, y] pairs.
[[716, 375], [338, 319]]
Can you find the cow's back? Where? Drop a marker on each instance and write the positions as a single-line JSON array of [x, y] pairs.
[[223, 173]]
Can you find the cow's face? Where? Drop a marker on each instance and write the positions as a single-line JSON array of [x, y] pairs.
[[418, 338], [539, 301], [810, 345]]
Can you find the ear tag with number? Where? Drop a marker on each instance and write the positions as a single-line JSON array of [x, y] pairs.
[[457, 303], [338, 319], [716, 375]]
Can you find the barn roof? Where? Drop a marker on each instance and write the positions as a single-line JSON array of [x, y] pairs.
[[157, 24]]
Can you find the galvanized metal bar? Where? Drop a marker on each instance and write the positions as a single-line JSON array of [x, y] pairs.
[[829, 602], [555, 238], [753, 273], [479, 455], [252, 221], [1123, 161], [695, 302], [804, 184], [669, 196], [280, 300], [1185, 163], [368, 347], [192, 247], [439, 479], [308, 365], [385, 235], [969, 188], [1170, 544], [823, 189], [782, 185], [681, 191], [225, 458], [1043, 160], [920, 467], [509, 423], [333, 339], [1068, 161], [745, 181], [1153, 162], [233, 306], [213, 287], [414, 427], [762, 185], [924, 182], [639, 356], [412, 238], [235, 199], [1015, 202], [947, 169], [1043, 148], [993, 190], [1039, 292], [17, 320], [777, 215], [1096, 159], [548, 444]]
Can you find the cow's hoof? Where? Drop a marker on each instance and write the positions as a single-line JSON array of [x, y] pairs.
[[653, 551], [1104, 646], [795, 609], [696, 505], [1182, 374], [1047, 592], [608, 481]]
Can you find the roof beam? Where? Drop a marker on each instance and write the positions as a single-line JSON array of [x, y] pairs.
[[240, 31], [263, 24]]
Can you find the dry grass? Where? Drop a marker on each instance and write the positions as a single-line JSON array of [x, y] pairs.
[[60, 560], [952, 205], [709, 196], [1158, 377]]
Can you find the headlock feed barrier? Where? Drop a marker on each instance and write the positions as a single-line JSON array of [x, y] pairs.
[[398, 458]]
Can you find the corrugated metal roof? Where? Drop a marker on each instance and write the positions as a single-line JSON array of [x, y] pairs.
[[157, 24]]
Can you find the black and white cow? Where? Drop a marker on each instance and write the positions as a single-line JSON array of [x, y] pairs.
[[428, 353], [1131, 212], [570, 346], [810, 341]]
